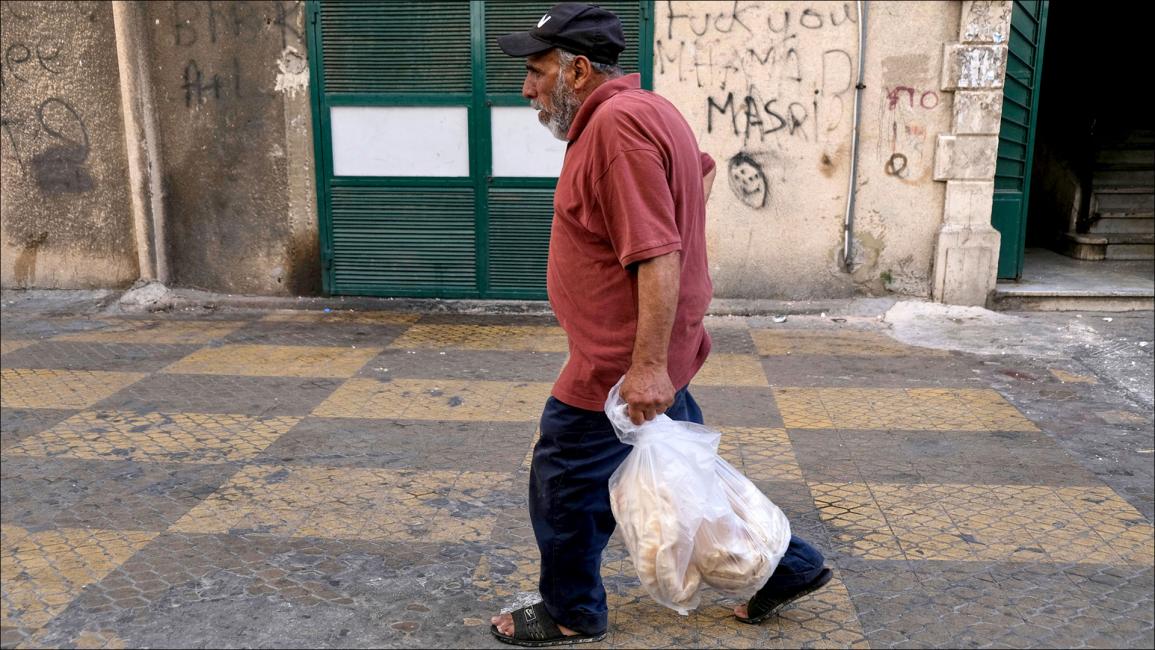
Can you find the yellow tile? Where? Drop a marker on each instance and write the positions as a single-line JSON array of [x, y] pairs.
[[1072, 378], [348, 316], [840, 343], [12, 345], [987, 522], [953, 409], [157, 437], [275, 361], [855, 520], [1123, 528], [345, 503], [528, 338], [429, 399], [763, 454], [157, 331], [60, 389], [802, 408], [45, 571], [731, 370]]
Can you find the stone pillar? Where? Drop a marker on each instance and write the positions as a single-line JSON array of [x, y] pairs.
[[967, 250]]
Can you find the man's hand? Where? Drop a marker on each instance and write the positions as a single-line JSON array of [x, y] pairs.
[[647, 392]]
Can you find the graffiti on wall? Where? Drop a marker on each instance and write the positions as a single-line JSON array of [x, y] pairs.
[[769, 74], [45, 133], [196, 24], [908, 104]]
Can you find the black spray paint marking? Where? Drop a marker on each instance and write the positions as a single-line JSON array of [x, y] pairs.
[[748, 181], [60, 169]]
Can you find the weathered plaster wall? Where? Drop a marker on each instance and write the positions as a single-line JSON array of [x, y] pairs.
[[65, 213], [769, 89], [230, 81]]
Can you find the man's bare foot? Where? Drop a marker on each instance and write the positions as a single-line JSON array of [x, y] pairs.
[[504, 624], [740, 611]]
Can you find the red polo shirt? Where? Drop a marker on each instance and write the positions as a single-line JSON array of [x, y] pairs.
[[630, 190]]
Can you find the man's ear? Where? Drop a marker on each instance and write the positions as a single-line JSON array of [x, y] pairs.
[[582, 72]]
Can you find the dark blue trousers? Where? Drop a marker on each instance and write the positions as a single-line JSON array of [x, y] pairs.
[[569, 507]]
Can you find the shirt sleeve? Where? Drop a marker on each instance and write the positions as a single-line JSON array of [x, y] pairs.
[[708, 163], [638, 207]]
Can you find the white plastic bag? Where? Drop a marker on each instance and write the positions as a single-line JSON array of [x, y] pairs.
[[688, 517]]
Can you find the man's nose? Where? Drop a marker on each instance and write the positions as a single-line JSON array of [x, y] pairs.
[[527, 89]]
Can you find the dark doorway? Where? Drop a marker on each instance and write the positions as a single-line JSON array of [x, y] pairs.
[[1093, 178]]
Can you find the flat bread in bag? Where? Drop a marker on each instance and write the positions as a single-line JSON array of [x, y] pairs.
[[648, 523], [729, 557]]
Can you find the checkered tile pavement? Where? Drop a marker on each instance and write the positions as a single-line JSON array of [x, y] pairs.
[[357, 479]]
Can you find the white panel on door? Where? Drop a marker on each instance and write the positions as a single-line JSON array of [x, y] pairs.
[[400, 140], [521, 145]]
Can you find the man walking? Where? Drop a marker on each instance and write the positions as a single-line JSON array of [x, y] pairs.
[[628, 281]]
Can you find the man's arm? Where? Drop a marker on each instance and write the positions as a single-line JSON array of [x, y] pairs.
[[647, 389], [709, 170]]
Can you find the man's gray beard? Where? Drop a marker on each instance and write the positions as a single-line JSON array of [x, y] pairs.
[[565, 108]]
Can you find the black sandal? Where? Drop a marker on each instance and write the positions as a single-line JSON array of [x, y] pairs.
[[533, 627], [765, 604]]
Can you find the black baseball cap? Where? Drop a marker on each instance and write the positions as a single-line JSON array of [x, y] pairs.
[[575, 27]]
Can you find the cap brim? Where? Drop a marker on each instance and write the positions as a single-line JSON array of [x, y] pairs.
[[522, 44]]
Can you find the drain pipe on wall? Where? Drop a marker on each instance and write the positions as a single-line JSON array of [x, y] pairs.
[[848, 224], [142, 143]]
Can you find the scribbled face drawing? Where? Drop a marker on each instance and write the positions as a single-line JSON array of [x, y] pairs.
[[748, 182]]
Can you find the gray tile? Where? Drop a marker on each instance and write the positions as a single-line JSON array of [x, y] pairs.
[[456, 446], [316, 334], [487, 365], [187, 590], [17, 424], [79, 355], [826, 371], [114, 495], [732, 406], [283, 396]]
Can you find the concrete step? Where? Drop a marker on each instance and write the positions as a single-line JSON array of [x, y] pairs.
[[1113, 246], [1011, 301], [1139, 179], [1114, 223], [1125, 159], [1123, 202], [1131, 251]]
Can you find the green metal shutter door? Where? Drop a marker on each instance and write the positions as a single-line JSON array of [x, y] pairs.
[[521, 210], [398, 236], [435, 237], [1017, 132]]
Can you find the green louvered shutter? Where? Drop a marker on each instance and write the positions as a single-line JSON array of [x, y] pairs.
[[520, 210], [1017, 132], [470, 236]]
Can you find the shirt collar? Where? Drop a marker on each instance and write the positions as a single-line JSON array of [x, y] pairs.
[[597, 98]]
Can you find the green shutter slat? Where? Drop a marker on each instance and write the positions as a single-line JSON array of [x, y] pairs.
[[392, 47], [407, 241], [1011, 132], [504, 74], [519, 225], [1025, 24]]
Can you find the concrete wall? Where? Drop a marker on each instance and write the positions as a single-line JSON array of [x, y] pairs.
[[230, 81], [769, 89], [65, 213], [767, 86]]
